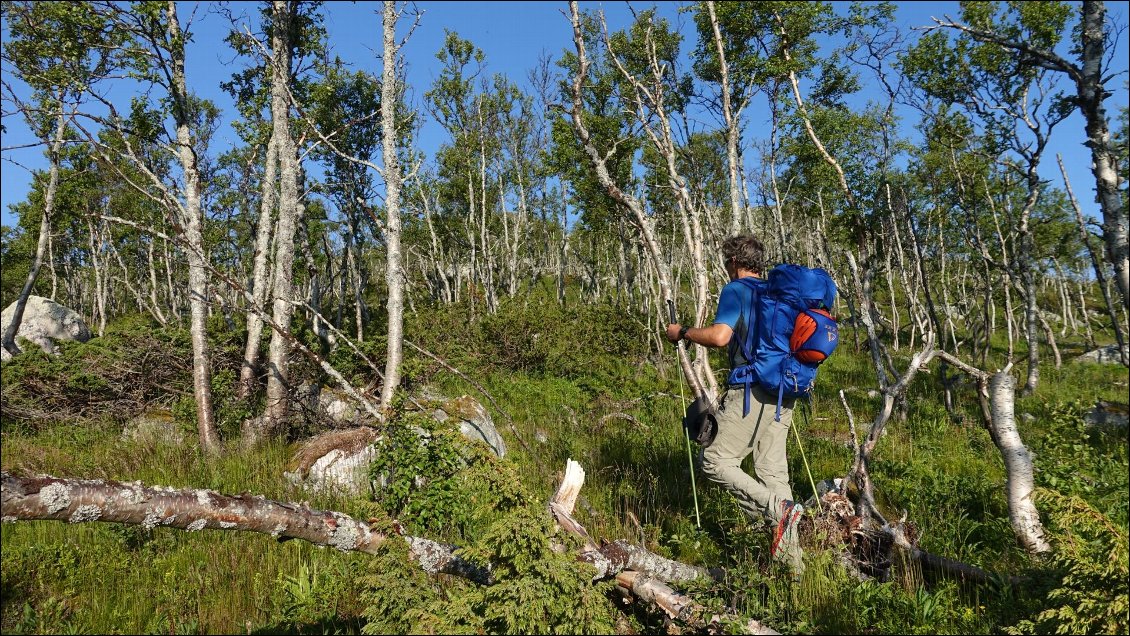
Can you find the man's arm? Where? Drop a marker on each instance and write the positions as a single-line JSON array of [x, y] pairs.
[[716, 335], [719, 333]]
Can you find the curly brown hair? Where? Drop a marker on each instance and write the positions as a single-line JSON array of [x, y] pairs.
[[746, 251]]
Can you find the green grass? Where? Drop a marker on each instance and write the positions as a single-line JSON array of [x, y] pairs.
[[110, 578]]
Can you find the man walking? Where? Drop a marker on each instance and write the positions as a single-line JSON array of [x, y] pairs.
[[748, 425]]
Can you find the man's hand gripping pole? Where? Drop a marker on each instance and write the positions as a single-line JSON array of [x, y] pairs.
[[686, 433]]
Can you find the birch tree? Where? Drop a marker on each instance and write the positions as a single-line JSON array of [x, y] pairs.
[[655, 94], [716, 53], [57, 49], [1017, 105], [598, 159], [394, 274], [1010, 30], [153, 49], [278, 398]]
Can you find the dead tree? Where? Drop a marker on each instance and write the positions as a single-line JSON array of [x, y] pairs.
[[87, 500], [639, 573]]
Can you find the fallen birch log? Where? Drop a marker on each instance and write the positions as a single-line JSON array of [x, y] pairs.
[[642, 580], [192, 509], [612, 558]]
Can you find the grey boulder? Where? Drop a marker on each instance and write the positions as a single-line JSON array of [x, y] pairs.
[[45, 322]]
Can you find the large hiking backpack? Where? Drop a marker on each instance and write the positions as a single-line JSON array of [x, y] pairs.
[[795, 332]]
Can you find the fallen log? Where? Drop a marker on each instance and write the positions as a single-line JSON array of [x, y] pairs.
[[640, 574], [612, 558], [638, 570], [193, 509]]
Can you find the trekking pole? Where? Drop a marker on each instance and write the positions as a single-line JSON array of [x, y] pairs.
[[804, 411], [686, 433]]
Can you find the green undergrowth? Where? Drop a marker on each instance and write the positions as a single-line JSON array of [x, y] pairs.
[[111, 578], [568, 383]]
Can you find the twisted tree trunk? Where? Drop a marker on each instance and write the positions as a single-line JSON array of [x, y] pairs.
[[1022, 513]]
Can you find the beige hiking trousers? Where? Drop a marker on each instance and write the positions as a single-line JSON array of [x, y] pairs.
[[760, 494]]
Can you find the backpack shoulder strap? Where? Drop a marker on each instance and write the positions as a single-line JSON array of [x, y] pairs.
[[748, 344]]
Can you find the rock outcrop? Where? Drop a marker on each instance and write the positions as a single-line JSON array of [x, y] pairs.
[[45, 322], [338, 460]]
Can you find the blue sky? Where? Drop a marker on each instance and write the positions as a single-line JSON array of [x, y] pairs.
[[512, 35]]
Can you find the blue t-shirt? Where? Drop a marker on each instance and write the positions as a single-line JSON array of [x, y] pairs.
[[735, 308]]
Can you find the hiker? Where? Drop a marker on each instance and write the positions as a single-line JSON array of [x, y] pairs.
[[748, 424]]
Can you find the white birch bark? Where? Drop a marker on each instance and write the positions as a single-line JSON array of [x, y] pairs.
[[278, 402], [1100, 275], [649, 100], [1089, 82], [153, 284], [260, 281], [193, 219], [643, 222], [394, 274], [733, 127], [1022, 513], [97, 271], [193, 509]]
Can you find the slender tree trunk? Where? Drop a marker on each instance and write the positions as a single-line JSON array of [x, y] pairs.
[[50, 268], [314, 295], [170, 290], [733, 127], [154, 303], [649, 98], [278, 400], [96, 271], [563, 249], [9, 338], [139, 299], [194, 239], [1025, 261], [778, 204], [357, 282], [1049, 335], [643, 222], [260, 279], [392, 177], [1100, 275]]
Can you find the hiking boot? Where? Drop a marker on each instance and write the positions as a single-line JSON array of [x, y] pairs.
[[786, 540]]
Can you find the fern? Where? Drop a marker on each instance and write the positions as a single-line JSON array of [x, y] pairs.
[[537, 589], [1091, 560]]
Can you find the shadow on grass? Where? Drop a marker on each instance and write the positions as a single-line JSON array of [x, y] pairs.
[[324, 626]]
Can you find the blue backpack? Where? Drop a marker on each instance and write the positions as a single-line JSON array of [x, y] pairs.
[[794, 333]]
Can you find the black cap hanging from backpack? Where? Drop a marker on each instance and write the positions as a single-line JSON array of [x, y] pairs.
[[700, 423]]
